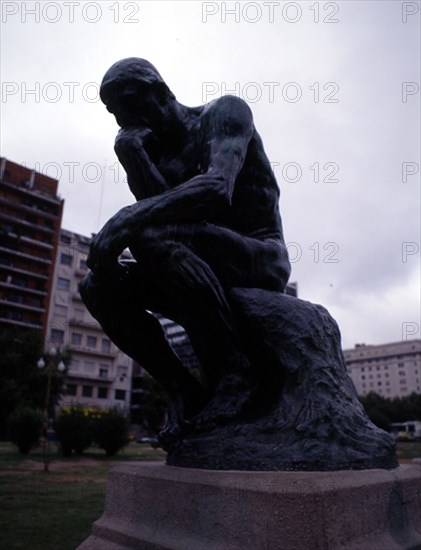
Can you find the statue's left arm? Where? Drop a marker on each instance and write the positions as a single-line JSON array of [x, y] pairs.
[[229, 125]]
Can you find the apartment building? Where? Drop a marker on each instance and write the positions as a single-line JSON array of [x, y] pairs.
[[99, 374], [391, 370], [30, 216]]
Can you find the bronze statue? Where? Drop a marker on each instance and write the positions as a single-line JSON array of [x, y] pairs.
[[206, 219], [207, 241]]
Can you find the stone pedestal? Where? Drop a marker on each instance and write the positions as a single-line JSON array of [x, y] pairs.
[[155, 506]]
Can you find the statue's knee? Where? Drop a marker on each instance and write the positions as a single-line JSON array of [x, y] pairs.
[[89, 290]]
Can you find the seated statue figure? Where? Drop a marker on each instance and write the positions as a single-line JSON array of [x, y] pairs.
[[208, 250], [206, 218]]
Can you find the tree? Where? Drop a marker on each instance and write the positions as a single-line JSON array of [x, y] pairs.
[[111, 431], [382, 411], [75, 430], [21, 381], [25, 427]]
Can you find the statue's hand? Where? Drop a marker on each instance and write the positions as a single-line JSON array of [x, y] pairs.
[[107, 245], [132, 139]]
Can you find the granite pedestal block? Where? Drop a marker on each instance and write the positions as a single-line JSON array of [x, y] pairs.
[[155, 506]]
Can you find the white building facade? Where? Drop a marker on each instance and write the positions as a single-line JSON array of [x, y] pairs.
[[99, 374], [390, 370]]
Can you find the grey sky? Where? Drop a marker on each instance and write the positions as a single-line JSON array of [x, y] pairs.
[[326, 83]]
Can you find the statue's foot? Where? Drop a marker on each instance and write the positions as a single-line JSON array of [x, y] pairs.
[[180, 411], [229, 401]]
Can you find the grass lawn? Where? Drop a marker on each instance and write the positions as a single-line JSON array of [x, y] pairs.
[[54, 510]]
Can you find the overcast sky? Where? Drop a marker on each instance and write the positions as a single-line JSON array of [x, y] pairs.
[[334, 88]]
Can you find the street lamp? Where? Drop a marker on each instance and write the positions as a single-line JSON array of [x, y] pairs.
[[50, 365]]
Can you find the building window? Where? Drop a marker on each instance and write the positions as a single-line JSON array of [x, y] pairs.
[[79, 313], [76, 339], [120, 395], [15, 315], [57, 336], [91, 341], [89, 367], [63, 284], [71, 389], [82, 264], [102, 393], [103, 371], [60, 310], [19, 281], [66, 259], [87, 391], [74, 365], [65, 239], [106, 345]]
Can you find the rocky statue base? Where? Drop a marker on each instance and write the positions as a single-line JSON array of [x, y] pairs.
[[305, 414], [150, 506]]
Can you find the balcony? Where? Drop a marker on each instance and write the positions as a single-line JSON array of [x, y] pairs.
[[12, 322], [24, 255], [22, 221], [25, 307], [94, 325], [36, 194], [23, 289], [91, 351], [22, 271], [91, 377]]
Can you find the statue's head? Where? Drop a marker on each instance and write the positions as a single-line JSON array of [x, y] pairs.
[[134, 91]]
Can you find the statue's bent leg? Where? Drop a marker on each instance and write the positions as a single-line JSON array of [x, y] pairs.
[[193, 297], [118, 305]]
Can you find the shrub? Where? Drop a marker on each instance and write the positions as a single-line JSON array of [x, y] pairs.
[[74, 431], [111, 431], [25, 428]]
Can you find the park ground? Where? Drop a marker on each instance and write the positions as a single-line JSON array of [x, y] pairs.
[[50, 510]]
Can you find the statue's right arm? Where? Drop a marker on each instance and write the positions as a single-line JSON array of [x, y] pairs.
[[143, 177]]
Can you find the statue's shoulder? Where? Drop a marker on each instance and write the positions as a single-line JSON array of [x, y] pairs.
[[228, 109]]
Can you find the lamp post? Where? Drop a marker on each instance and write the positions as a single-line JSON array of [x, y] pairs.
[[50, 365]]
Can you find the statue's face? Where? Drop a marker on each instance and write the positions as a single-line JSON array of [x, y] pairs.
[[135, 104]]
